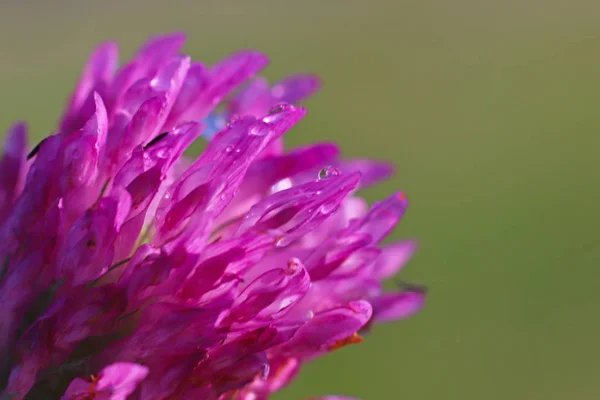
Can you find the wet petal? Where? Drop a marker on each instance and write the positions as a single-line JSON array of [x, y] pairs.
[[291, 213]]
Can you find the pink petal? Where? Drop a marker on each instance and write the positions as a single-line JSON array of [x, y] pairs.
[[13, 167], [291, 213], [295, 88], [394, 306], [393, 258], [327, 328], [99, 70]]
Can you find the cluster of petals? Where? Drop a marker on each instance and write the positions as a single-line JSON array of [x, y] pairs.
[[130, 271]]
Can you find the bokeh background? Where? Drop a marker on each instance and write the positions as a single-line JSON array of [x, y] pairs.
[[490, 111]]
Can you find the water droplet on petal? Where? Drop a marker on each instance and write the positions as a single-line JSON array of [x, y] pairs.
[[281, 185], [233, 120], [329, 208], [161, 153], [258, 130], [281, 242], [278, 108], [294, 263], [287, 301], [328, 172], [276, 113], [228, 149]]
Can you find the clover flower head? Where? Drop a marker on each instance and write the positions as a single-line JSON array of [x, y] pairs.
[[129, 271]]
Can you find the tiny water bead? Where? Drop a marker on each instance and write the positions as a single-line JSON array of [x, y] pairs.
[[328, 172], [329, 208], [276, 113], [278, 108], [281, 185], [294, 263], [259, 130]]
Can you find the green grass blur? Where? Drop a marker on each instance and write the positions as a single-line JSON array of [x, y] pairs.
[[490, 111]]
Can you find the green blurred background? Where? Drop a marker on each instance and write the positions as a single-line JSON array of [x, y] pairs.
[[489, 110]]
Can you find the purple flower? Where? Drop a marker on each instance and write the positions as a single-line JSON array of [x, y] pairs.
[[169, 278]]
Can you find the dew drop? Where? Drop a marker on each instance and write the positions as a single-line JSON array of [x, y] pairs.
[[228, 149], [161, 153], [294, 263], [328, 172], [276, 113], [276, 109], [281, 185], [287, 301], [233, 120], [281, 242], [258, 130], [329, 208]]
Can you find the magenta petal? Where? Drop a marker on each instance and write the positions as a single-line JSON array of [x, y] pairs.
[[100, 68], [81, 150], [282, 118], [89, 245], [222, 79], [295, 88], [77, 388], [234, 70], [291, 213], [193, 86], [272, 170], [208, 186], [255, 99], [325, 329], [270, 295], [121, 379], [281, 372], [382, 217], [167, 329], [115, 382], [394, 306], [393, 258], [372, 171], [155, 51], [272, 174], [13, 167], [148, 118], [139, 129], [224, 260]]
